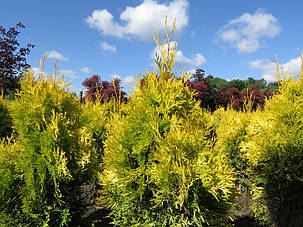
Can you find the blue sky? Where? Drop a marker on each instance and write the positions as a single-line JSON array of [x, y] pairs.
[[228, 39]]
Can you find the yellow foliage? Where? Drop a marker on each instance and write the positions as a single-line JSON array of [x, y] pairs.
[[52, 150], [159, 164], [273, 146]]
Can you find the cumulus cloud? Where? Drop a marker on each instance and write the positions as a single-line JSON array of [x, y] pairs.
[[181, 60], [56, 55], [107, 47], [115, 76], [141, 21], [267, 68], [126, 81], [86, 70], [69, 73], [36, 70], [199, 60], [293, 66], [103, 21], [190, 71], [248, 32]]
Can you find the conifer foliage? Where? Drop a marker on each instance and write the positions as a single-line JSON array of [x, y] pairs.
[[50, 157], [273, 146], [159, 159], [159, 165]]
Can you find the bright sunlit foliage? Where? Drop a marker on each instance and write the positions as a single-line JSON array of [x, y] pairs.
[[160, 168]]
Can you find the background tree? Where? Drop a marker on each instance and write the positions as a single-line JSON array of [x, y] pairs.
[[256, 96], [239, 84], [235, 98], [217, 82], [215, 92], [221, 97], [204, 91], [273, 86], [12, 58], [106, 89]]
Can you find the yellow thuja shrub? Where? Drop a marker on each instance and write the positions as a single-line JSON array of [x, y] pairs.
[[54, 157], [97, 117], [230, 129], [10, 183], [160, 168], [274, 147]]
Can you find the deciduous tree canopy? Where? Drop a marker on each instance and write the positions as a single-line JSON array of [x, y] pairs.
[[215, 92], [106, 89], [12, 58]]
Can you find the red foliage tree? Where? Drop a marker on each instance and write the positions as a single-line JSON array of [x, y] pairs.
[[268, 93], [203, 91], [221, 97], [255, 96], [200, 89], [12, 58], [105, 89], [235, 98]]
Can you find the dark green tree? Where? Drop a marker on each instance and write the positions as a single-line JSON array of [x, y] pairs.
[[237, 83], [273, 86], [261, 84], [217, 82]]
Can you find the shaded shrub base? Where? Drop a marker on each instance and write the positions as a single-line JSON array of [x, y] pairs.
[[90, 213], [286, 204]]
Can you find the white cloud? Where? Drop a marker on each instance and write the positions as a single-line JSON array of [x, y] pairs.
[[190, 71], [127, 81], [69, 73], [107, 47], [248, 32], [115, 76], [262, 65], [86, 70], [141, 21], [56, 55], [267, 68], [180, 60], [293, 66], [199, 60], [103, 21], [36, 71]]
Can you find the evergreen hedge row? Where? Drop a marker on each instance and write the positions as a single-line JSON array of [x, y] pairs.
[[159, 159]]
